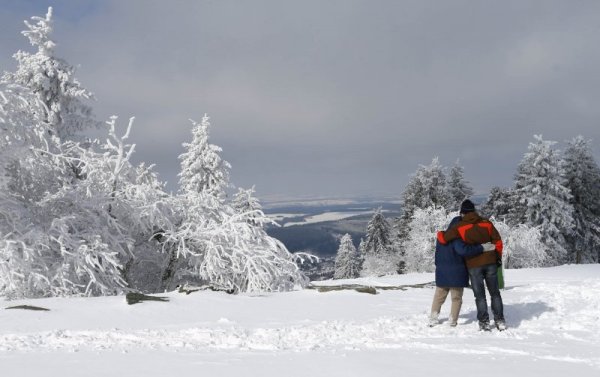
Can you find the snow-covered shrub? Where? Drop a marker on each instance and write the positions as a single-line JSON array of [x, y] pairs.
[[380, 265], [523, 246], [223, 248], [419, 246], [73, 214]]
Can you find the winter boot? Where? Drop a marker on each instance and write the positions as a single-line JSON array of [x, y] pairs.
[[500, 325], [433, 319], [453, 322], [484, 326]]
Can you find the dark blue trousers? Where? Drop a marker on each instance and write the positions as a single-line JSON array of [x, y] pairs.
[[489, 275]]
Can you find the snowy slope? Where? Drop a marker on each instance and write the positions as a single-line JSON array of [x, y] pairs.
[[553, 315]]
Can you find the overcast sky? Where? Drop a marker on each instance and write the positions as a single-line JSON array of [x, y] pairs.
[[334, 98]]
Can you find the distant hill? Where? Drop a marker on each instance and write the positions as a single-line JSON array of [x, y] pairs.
[[317, 225]]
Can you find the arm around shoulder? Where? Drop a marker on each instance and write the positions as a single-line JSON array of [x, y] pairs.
[[466, 250]]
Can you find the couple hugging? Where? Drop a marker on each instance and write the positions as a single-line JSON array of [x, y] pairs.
[[471, 247]]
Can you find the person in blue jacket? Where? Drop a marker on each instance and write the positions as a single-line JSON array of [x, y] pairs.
[[451, 275]]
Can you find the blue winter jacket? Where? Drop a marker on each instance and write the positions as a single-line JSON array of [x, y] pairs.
[[450, 268]]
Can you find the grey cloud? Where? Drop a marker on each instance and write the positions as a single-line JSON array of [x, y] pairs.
[[336, 97]]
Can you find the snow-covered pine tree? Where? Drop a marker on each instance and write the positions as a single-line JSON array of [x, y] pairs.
[[499, 203], [379, 256], [347, 260], [544, 198], [52, 81], [419, 246], [458, 187], [246, 204], [583, 180], [202, 169], [426, 188], [216, 243], [361, 247], [378, 239]]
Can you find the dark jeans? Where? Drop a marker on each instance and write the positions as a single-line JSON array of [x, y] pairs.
[[489, 274]]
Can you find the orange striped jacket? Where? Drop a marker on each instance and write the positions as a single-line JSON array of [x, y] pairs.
[[473, 229]]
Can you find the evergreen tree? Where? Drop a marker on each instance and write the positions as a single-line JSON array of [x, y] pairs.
[[499, 203], [583, 180], [246, 204], [202, 169], [378, 239], [347, 261], [458, 188], [544, 199], [51, 80], [377, 251], [426, 188]]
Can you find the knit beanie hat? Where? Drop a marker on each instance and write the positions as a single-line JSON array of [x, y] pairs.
[[467, 206]]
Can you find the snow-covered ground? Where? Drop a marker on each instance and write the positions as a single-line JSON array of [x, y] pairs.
[[553, 316]]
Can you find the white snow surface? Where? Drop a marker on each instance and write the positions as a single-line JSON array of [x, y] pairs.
[[327, 216], [553, 316]]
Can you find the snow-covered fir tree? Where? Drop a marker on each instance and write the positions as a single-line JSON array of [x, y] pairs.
[[379, 256], [426, 188], [52, 81], [378, 237], [347, 259], [217, 243], [458, 187], [499, 203], [246, 204], [419, 246], [202, 169], [544, 198], [583, 180]]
